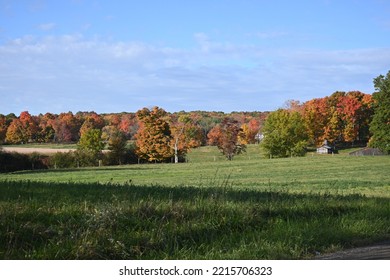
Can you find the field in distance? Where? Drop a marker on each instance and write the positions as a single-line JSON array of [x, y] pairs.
[[339, 174]]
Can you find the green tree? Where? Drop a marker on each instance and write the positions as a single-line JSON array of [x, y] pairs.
[[90, 146], [117, 146], [185, 134], [284, 134], [153, 138], [380, 124]]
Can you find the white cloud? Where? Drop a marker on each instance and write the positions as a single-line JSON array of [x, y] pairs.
[[47, 26], [75, 73], [270, 34]]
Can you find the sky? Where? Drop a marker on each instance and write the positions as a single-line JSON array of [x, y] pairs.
[[212, 55]]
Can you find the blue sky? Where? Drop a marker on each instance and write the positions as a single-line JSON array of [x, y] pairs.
[[222, 55]]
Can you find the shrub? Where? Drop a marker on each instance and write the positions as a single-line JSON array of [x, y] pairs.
[[10, 162], [63, 160]]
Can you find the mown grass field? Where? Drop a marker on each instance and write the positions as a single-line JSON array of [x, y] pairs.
[[208, 208]]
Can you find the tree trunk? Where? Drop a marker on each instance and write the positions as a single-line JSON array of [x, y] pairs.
[[176, 151]]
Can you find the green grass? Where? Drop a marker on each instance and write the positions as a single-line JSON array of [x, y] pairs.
[[250, 208], [337, 174]]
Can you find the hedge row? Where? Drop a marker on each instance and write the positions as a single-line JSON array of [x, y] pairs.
[[10, 162]]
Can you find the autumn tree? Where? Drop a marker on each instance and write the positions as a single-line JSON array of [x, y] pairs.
[[46, 130], [15, 133], [22, 129], [3, 128], [29, 124], [67, 128], [128, 125], [112, 119], [380, 125], [249, 131], [284, 134], [185, 134], [355, 112], [153, 139], [333, 128], [315, 117], [339, 118], [226, 137], [92, 121]]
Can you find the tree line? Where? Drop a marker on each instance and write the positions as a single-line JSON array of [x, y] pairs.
[[343, 118]]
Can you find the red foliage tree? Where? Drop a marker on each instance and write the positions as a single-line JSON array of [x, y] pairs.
[[226, 137], [128, 125], [67, 128]]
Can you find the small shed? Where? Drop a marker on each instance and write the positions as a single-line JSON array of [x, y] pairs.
[[325, 148]]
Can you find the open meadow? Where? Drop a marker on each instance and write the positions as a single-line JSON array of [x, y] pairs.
[[208, 208]]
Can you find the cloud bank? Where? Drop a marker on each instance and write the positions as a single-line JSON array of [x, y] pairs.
[[72, 73]]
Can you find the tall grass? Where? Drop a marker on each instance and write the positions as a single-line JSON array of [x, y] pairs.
[[51, 220]]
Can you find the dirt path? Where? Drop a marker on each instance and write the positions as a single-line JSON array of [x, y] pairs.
[[379, 251], [43, 151]]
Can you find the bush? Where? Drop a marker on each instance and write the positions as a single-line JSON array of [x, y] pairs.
[[63, 160], [128, 157], [86, 158], [10, 162]]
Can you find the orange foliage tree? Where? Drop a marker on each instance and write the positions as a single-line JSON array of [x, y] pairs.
[[92, 121], [153, 139], [22, 129], [3, 128], [249, 131], [315, 116]]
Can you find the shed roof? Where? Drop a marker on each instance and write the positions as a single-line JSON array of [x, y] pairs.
[[325, 146]]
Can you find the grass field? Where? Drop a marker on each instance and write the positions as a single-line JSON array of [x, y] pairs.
[[208, 208]]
